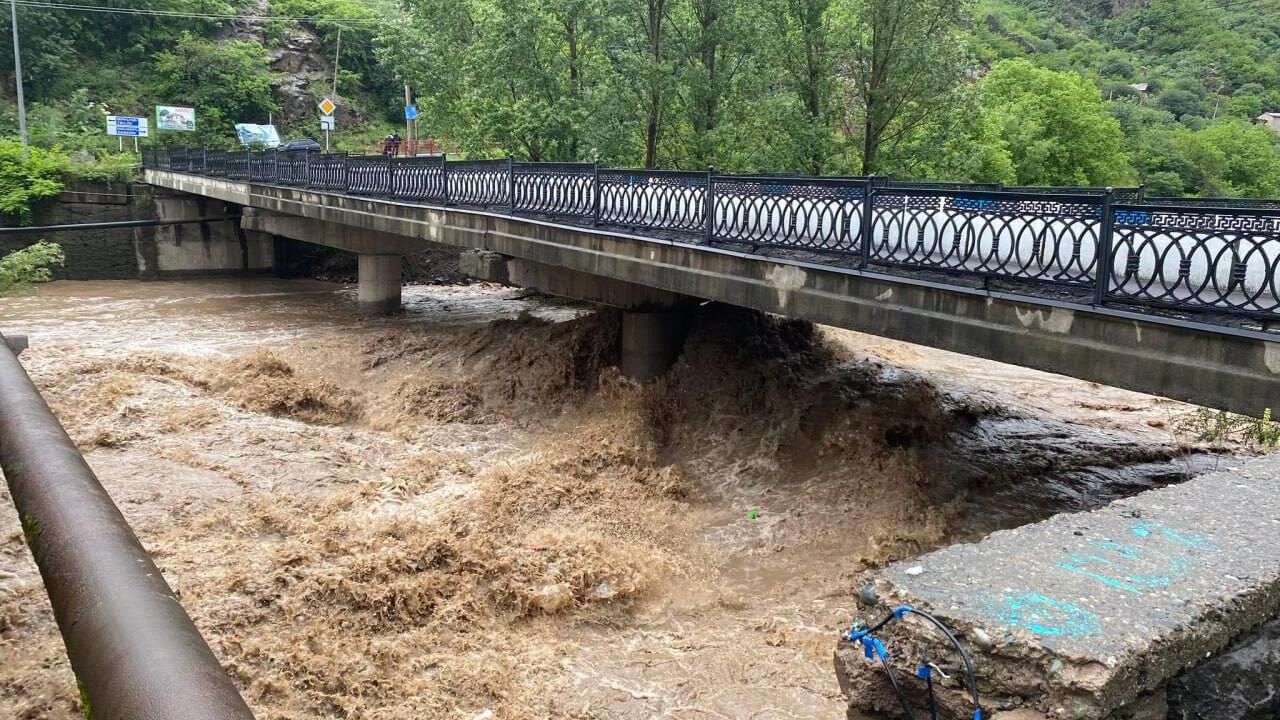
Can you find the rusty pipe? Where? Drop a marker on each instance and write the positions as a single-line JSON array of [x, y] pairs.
[[134, 650]]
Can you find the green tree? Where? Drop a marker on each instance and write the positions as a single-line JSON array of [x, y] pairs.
[[226, 82], [720, 39], [803, 52], [26, 180], [1232, 158], [904, 68], [1055, 127]]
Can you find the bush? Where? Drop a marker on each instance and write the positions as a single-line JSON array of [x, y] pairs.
[[31, 264], [107, 168], [23, 181]]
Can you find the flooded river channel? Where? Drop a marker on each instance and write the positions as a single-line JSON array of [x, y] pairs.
[[465, 512]]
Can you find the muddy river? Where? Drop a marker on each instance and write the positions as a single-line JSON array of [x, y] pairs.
[[464, 512]]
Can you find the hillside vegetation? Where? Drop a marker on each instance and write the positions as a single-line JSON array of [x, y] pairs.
[[1026, 92]]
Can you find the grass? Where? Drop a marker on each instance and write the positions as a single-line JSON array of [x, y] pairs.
[[1219, 427]]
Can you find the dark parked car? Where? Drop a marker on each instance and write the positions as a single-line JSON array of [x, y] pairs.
[[302, 144]]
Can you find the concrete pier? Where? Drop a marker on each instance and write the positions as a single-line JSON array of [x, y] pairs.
[[651, 342], [1087, 615], [378, 292], [654, 322]]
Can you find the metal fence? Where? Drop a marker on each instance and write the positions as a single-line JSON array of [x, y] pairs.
[[1112, 244]]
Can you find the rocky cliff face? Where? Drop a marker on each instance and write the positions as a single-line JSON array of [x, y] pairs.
[[306, 74], [305, 66]]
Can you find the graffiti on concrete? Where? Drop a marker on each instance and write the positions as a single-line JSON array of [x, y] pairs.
[[1151, 557]]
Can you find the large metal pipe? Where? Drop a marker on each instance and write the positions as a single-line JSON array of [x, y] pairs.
[[109, 225], [133, 648]]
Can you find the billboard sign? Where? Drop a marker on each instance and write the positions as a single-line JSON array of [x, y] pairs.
[[125, 126], [173, 117], [251, 135]]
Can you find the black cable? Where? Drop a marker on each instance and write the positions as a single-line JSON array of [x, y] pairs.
[[902, 699], [968, 662], [864, 634], [933, 705]]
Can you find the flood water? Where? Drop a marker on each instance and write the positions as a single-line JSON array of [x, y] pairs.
[[463, 512]]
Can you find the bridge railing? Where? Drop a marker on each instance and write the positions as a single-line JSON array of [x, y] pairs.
[[667, 200], [420, 178], [1111, 245], [1220, 259], [480, 183], [1016, 235], [554, 189], [816, 214], [327, 171]]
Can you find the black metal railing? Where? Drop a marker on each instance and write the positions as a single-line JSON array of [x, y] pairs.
[[1216, 255], [554, 189], [1224, 259], [481, 183], [420, 178], [667, 200], [820, 214], [1024, 236]]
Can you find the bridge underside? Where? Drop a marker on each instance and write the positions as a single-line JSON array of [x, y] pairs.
[[1237, 370]]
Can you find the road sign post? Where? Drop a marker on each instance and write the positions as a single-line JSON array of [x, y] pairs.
[[327, 108], [327, 124]]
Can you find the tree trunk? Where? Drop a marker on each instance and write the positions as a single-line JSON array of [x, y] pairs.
[[652, 126]]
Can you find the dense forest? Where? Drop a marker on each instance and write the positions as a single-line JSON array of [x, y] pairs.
[[1028, 92]]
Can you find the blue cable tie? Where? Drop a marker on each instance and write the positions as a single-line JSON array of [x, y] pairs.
[[872, 647], [901, 610]]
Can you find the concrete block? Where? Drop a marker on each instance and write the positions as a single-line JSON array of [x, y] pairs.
[[16, 343], [484, 265], [1089, 615]]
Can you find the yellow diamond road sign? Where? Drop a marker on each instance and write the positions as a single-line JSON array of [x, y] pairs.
[[327, 107]]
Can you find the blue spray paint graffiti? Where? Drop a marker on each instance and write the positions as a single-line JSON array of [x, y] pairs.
[[1046, 616], [1162, 558], [1155, 558]]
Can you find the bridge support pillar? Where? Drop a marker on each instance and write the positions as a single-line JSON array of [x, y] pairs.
[[378, 291], [654, 322], [652, 341]]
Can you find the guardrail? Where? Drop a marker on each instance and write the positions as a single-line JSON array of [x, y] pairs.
[[1216, 256], [134, 650]]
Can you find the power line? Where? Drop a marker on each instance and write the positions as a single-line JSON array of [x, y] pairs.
[[51, 5]]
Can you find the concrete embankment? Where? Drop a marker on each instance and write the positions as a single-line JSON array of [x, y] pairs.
[[1087, 615]]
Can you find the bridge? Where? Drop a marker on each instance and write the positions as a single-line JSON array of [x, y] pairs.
[[1160, 297]]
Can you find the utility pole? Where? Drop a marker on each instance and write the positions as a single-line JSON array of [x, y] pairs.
[[17, 74], [408, 134], [337, 58]]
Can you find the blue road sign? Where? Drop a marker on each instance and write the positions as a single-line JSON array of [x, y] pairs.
[[410, 112], [125, 126]]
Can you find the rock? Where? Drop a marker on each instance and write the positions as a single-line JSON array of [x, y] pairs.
[[1243, 683], [981, 638]]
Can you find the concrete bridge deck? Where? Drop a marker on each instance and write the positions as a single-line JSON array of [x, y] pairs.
[[1084, 614], [1220, 366]]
